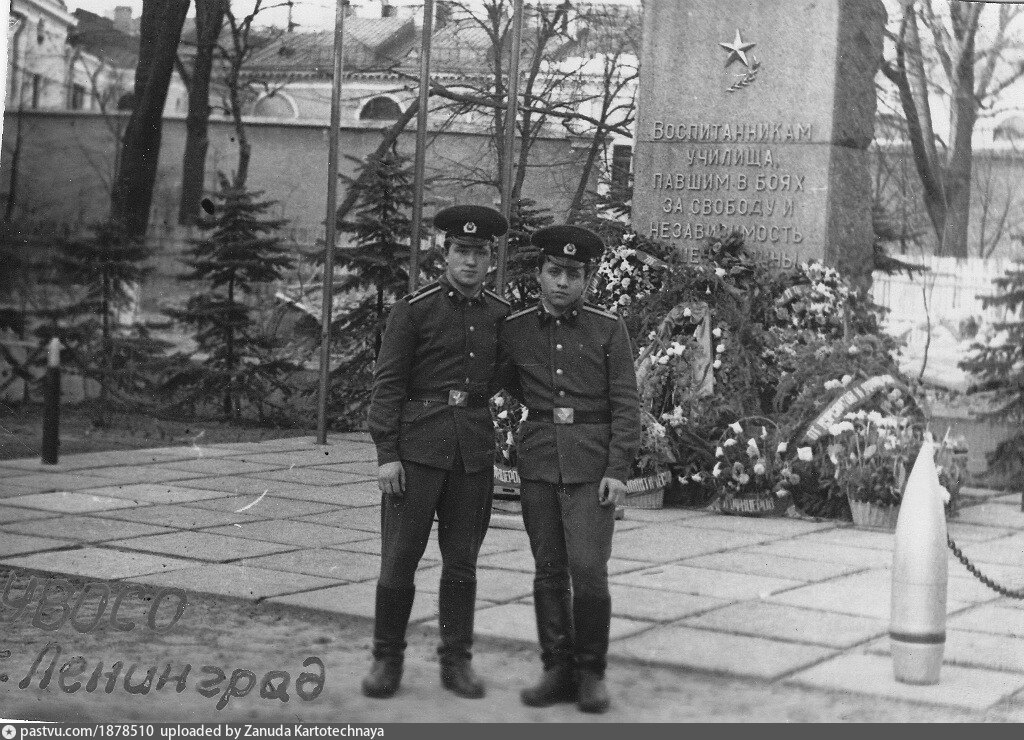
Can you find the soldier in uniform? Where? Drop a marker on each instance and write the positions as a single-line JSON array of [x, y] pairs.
[[571, 365], [431, 424]]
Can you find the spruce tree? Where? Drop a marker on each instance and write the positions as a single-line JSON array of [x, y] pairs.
[[998, 360], [527, 217], [241, 255]]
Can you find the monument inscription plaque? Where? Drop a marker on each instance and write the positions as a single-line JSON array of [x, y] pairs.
[[756, 116]]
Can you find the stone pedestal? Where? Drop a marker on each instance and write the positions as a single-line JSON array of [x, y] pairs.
[[756, 115]]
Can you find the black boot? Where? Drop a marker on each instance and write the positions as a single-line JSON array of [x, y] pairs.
[[553, 606], [456, 608], [593, 620], [391, 619]]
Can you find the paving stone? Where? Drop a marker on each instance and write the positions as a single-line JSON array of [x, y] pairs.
[[299, 534], [73, 503], [157, 493], [321, 562], [366, 519], [962, 586], [239, 581], [81, 461], [215, 548], [703, 650], [658, 606], [782, 622], [10, 491], [320, 456], [357, 599], [281, 444], [367, 469], [520, 560], [969, 688], [10, 514], [46, 482], [863, 594], [141, 474], [84, 528], [492, 584], [311, 477], [992, 618], [774, 566], [859, 557], [275, 507], [666, 542], [98, 562], [333, 495], [718, 583], [993, 515], [964, 532], [239, 485], [220, 466], [194, 448], [775, 526], [849, 536], [176, 516], [18, 544], [662, 516], [1006, 550], [518, 622]]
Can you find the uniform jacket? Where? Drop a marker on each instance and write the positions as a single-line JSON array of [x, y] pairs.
[[436, 341], [582, 361]]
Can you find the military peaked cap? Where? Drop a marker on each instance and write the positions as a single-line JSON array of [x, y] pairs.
[[568, 242], [471, 222]]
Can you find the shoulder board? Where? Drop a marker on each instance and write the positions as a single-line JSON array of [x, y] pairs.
[[600, 312], [423, 292], [496, 297], [517, 314]]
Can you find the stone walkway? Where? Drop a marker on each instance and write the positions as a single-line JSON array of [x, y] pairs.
[[294, 523]]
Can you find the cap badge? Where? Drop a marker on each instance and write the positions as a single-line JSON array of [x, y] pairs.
[[469, 228], [569, 249]]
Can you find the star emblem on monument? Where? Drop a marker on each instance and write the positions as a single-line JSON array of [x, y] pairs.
[[737, 50]]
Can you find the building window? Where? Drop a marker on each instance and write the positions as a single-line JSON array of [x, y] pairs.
[[622, 156], [380, 109], [37, 89], [77, 97]]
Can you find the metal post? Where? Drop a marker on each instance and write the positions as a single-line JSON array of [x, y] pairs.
[[51, 405], [421, 144], [511, 115], [331, 220]]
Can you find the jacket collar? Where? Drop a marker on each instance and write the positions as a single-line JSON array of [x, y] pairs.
[[457, 297], [569, 317]]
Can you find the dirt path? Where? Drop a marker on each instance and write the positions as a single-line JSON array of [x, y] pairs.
[[235, 636]]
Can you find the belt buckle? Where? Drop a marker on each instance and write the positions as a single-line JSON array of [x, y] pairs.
[[563, 415], [458, 398]]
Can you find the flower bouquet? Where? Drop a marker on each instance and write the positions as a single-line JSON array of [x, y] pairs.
[[750, 474]]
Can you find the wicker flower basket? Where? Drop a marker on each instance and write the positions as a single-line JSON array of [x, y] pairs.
[[871, 515], [765, 504]]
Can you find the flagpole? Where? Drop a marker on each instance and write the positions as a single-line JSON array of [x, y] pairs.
[[421, 144], [331, 219], [511, 115]]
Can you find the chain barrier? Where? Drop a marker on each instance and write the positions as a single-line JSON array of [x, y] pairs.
[[973, 569]]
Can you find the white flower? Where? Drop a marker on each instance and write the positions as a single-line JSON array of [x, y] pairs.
[[835, 430], [503, 414], [804, 453], [743, 479], [624, 300], [663, 360], [499, 401], [845, 380], [720, 348], [526, 412], [697, 477], [716, 332], [781, 448], [782, 493], [717, 470], [687, 312], [720, 271], [510, 439], [729, 442], [719, 452], [832, 385], [716, 364], [752, 449], [852, 350], [735, 426], [759, 469], [625, 282]]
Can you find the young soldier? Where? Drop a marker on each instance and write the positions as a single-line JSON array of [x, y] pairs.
[[572, 366], [431, 423]]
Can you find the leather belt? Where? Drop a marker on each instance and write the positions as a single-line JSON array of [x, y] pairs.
[[463, 399], [564, 415]]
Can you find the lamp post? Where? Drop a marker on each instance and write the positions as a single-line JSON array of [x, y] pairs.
[[511, 114], [421, 144]]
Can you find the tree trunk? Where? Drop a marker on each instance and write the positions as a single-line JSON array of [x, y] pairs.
[[962, 116], [244, 147], [132, 193], [209, 21], [229, 342]]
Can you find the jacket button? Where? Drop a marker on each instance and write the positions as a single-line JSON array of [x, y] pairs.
[[561, 393], [558, 371], [558, 322], [472, 355], [472, 328], [558, 346]]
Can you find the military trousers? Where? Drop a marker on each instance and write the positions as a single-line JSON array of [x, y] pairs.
[[462, 502], [570, 536]]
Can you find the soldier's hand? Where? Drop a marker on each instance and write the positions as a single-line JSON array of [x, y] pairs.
[[391, 479], [611, 492]]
